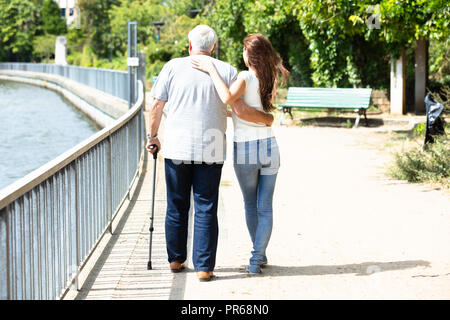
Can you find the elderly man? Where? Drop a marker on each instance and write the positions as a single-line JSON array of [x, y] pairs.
[[194, 149]]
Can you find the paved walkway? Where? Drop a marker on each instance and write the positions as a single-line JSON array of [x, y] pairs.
[[342, 230]]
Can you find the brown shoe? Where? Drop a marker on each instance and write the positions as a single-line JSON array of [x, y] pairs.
[[176, 266], [204, 276]]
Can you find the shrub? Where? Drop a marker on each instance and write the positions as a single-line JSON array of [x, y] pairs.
[[429, 165]]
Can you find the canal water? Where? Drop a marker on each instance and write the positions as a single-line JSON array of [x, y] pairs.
[[36, 125]]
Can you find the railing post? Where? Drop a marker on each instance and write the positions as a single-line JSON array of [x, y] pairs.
[[8, 264], [77, 226], [141, 72], [132, 53], [109, 182], [127, 148], [142, 78]]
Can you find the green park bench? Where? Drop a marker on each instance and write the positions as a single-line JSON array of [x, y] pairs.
[[357, 99]]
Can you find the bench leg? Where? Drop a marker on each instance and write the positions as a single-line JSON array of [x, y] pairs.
[[282, 118], [358, 117], [286, 110], [290, 113]]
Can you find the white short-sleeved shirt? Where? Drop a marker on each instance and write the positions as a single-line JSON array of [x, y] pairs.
[[196, 117], [249, 131]]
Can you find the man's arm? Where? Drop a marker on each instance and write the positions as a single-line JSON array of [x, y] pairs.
[[251, 114], [154, 120]]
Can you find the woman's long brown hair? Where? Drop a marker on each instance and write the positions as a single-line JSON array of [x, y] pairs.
[[268, 65]]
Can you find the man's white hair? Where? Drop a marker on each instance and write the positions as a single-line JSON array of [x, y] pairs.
[[203, 38]]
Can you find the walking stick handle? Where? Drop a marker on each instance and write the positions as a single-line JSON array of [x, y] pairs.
[[155, 154]]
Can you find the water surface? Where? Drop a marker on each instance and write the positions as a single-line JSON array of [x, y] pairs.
[[36, 125]]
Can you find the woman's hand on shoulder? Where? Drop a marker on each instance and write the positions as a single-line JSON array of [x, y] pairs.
[[269, 120], [203, 63]]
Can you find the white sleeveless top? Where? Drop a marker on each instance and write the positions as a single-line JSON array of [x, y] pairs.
[[244, 130]]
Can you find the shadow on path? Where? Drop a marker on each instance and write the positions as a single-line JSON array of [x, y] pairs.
[[359, 269], [97, 268]]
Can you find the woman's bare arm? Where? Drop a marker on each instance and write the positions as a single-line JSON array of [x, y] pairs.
[[204, 63], [231, 96], [251, 114]]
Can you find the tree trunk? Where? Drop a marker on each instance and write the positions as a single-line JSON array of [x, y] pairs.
[[398, 84], [421, 75]]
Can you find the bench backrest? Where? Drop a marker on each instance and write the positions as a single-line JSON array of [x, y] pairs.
[[342, 98]]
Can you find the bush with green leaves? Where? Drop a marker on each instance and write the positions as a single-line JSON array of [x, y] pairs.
[[44, 47], [429, 165]]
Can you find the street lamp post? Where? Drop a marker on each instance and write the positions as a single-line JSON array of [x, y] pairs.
[[158, 25], [193, 13]]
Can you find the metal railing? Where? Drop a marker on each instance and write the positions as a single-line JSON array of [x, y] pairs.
[[113, 82], [52, 219]]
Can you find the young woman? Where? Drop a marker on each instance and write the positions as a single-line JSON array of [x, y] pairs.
[[256, 154]]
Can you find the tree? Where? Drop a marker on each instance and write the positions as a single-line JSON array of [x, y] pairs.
[[275, 20], [401, 24], [95, 23], [50, 14], [182, 7], [144, 13], [17, 28], [44, 46], [227, 19]]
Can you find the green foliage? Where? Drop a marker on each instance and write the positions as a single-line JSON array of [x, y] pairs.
[[227, 20], [144, 13], [276, 21], [106, 46], [234, 20], [418, 165], [322, 42], [173, 43], [44, 46], [419, 129], [329, 32], [95, 23], [402, 22], [430, 164], [23, 20], [182, 7], [439, 60], [18, 25], [52, 22]]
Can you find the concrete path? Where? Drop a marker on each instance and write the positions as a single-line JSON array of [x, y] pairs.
[[342, 230]]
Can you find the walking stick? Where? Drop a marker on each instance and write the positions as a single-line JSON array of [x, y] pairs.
[[155, 156]]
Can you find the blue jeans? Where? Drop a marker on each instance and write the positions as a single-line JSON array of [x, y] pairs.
[[256, 166], [204, 179]]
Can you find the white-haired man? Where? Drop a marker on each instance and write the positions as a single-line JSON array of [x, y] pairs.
[[194, 149]]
